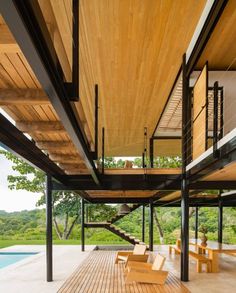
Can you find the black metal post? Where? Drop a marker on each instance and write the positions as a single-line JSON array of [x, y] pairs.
[[151, 226], [151, 141], [215, 121], [82, 224], [49, 228], [86, 213], [143, 223], [220, 222], [196, 222], [143, 160], [75, 52], [96, 122], [103, 149], [186, 109], [221, 113]]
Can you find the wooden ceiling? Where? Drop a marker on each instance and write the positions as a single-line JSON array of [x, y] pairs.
[[23, 99], [228, 173], [133, 50], [221, 51]]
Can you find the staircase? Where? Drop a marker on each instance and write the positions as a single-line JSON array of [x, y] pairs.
[[116, 230]]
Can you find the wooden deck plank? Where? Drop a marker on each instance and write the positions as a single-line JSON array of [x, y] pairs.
[[98, 273]]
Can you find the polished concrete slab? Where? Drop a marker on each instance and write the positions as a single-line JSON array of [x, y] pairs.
[[29, 275], [224, 281]]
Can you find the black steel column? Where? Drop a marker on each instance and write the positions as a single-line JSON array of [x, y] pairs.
[[151, 226], [151, 151], [143, 223], [220, 222], [196, 222], [49, 227], [186, 123], [82, 224], [103, 149]]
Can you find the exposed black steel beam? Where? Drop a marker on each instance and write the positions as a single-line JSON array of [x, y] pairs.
[[212, 185], [15, 141], [49, 228], [82, 225], [151, 226], [20, 16], [208, 27], [120, 182], [120, 200], [166, 137]]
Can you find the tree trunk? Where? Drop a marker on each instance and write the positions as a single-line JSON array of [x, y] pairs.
[[57, 228], [65, 226], [159, 228], [71, 227]]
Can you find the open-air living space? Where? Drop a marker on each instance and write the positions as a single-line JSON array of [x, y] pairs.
[[117, 146]]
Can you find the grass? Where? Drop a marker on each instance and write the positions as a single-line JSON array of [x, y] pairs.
[[7, 243]]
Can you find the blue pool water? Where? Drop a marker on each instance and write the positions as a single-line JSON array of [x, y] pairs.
[[8, 258]]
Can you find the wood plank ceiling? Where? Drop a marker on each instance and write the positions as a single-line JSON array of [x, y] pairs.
[[133, 50], [220, 52]]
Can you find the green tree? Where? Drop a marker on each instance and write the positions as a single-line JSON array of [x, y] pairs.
[[66, 205]]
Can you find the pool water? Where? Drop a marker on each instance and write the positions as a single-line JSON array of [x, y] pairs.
[[8, 258]]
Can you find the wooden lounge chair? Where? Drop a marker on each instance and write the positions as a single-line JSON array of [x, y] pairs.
[[147, 272], [176, 248], [138, 254]]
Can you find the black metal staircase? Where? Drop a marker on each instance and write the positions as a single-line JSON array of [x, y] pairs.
[[116, 230]]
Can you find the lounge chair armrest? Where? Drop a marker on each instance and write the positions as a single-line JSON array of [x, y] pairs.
[[136, 264], [146, 276], [124, 253], [121, 255], [137, 258]]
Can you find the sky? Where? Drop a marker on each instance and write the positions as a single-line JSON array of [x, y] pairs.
[[14, 200]]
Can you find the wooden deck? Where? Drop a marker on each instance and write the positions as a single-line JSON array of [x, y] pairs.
[[99, 274]]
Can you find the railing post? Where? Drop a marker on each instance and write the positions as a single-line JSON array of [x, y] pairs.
[[215, 121], [151, 151], [82, 224], [143, 223], [103, 149], [186, 120], [49, 228], [151, 226], [96, 122], [196, 222]]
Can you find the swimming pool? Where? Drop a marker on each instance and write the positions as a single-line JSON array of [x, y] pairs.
[[8, 258]]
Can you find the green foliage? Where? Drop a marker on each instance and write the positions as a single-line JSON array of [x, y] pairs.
[[30, 226]]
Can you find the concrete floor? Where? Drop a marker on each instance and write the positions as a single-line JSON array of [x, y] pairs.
[[28, 275], [222, 282]]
